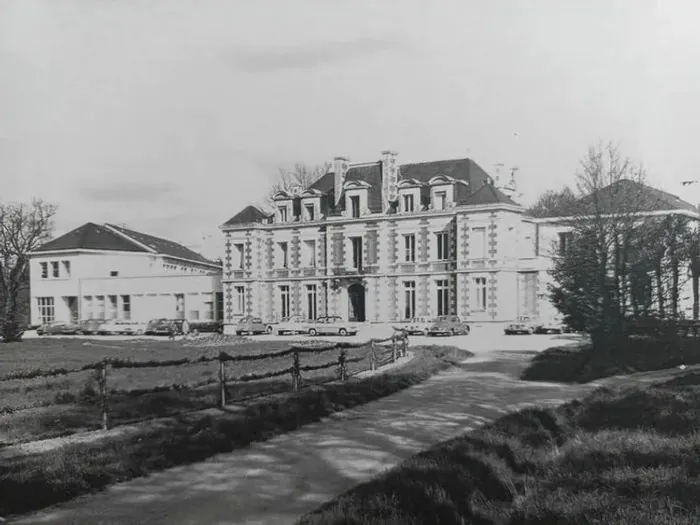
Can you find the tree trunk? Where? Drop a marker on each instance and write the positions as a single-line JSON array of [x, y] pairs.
[[659, 288], [696, 292], [675, 278]]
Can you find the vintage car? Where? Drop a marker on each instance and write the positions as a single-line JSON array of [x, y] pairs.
[[58, 328], [120, 327], [90, 326], [553, 325], [448, 325], [331, 325], [523, 325], [292, 325], [167, 327], [417, 325], [202, 327], [252, 325]]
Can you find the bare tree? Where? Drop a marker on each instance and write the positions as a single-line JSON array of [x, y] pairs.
[[554, 203], [300, 175], [23, 228], [592, 279]]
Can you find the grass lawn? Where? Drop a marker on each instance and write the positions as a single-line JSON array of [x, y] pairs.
[[582, 364], [32, 482], [65, 404], [622, 456]]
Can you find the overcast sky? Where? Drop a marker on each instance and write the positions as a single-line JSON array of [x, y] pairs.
[[172, 115]]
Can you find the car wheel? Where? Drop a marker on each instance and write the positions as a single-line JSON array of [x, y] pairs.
[[530, 331], [426, 332], [343, 332], [452, 332], [313, 332], [269, 329]]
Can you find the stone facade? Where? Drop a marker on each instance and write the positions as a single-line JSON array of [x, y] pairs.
[[384, 270]]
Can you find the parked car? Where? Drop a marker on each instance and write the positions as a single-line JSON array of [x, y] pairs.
[[523, 325], [417, 325], [331, 325], [207, 326], [167, 327], [58, 328], [91, 326], [448, 325], [252, 325], [292, 325], [553, 325], [119, 327]]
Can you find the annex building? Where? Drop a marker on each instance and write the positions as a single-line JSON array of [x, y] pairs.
[[111, 272]]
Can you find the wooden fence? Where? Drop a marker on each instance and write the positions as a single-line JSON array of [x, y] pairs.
[[226, 362]]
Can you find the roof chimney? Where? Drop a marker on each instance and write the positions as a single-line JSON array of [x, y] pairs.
[[390, 179], [341, 165]]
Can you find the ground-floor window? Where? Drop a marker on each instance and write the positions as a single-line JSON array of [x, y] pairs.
[[409, 293], [480, 294], [284, 300], [126, 307], [46, 309], [100, 306], [219, 305], [209, 310], [443, 297], [112, 312], [311, 301], [239, 300], [87, 307]]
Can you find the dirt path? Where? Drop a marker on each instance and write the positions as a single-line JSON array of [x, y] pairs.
[[277, 481]]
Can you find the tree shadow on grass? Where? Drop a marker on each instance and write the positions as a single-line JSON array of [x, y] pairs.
[[278, 480]]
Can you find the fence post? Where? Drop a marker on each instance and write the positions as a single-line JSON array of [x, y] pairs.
[[222, 380], [405, 345], [296, 372], [373, 357], [103, 395], [342, 371], [393, 348]]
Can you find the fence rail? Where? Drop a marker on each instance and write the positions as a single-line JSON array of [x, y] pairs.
[[399, 348]]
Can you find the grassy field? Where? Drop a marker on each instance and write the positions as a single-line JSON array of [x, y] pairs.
[[32, 482], [622, 456], [582, 364], [67, 403]]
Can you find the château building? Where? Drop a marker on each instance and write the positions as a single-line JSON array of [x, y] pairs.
[[382, 242]]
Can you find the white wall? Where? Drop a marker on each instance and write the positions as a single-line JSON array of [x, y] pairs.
[[140, 276]]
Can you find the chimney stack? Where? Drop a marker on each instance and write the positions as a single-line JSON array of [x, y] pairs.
[[341, 165], [390, 179]]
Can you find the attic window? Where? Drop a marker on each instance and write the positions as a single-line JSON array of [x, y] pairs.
[[355, 205], [440, 200]]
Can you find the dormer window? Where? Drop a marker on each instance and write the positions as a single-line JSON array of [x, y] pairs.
[[310, 212], [410, 195], [440, 200], [283, 213], [283, 202], [354, 205], [442, 192], [408, 203], [356, 198], [311, 205]]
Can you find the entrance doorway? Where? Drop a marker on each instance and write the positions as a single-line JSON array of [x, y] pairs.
[[356, 303]]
